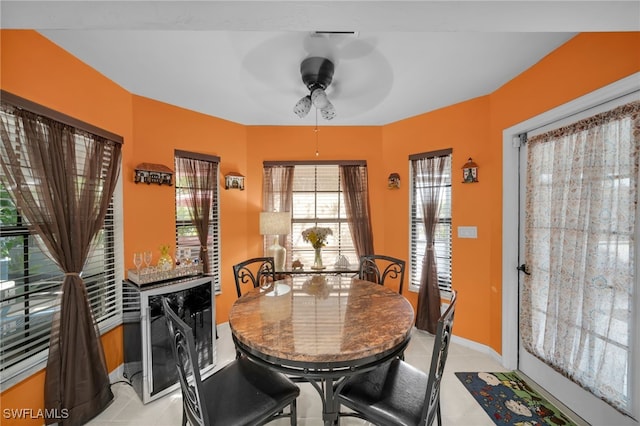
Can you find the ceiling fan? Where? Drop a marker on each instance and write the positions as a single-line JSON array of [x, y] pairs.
[[317, 73]]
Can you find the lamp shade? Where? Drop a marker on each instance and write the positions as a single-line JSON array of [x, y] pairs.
[[275, 223]]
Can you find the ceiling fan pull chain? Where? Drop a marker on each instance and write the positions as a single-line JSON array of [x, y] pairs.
[[316, 132]]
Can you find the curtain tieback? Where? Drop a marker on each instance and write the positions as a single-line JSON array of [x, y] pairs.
[[68, 274]]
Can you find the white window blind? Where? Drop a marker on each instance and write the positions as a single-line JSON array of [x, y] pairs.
[[186, 233], [30, 281], [318, 200], [442, 237]]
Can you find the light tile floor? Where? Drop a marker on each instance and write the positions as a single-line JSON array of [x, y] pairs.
[[458, 406]]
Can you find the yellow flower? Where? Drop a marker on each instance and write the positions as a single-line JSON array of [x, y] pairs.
[[317, 236]]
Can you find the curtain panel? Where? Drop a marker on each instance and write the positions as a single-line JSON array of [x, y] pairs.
[[580, 228], [277, 196], [428, 178], [201, 180], [355, 182], [64, 193]]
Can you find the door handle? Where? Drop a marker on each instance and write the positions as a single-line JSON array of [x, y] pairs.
[[524, 268]]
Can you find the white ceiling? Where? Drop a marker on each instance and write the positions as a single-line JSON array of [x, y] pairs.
[[239, 60]]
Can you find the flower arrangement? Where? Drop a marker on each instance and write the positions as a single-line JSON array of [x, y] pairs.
[[317, 236], [165, 262]]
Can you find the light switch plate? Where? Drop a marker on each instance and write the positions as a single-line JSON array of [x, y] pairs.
[[467, 232]]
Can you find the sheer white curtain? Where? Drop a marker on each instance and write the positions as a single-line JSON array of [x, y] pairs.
[[577, 304]]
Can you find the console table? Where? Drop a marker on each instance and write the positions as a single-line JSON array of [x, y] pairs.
[[149, 363]]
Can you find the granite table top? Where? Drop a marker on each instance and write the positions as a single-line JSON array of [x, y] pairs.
[[323, 321]]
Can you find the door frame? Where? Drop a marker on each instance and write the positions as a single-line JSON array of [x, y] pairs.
[[510, 202]]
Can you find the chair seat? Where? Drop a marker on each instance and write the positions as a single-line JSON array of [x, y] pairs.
[[392, 394], [244, 392]]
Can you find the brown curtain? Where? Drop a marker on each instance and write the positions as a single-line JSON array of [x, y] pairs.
[[429, 177], [277, 196], [354, 182], [201, 179], [63, 194]]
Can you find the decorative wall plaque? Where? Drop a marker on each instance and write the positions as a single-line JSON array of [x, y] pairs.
[[234, 181], [153, 173]]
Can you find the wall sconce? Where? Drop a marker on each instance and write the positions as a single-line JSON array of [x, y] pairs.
[[393, 181], [153, 173], [470, 172], [234, 181]]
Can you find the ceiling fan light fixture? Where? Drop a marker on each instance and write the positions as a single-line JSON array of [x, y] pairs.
[[303, 106], [329, 112], [317, 74], [319, 98]]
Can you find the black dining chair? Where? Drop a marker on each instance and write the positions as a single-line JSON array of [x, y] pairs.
[[258, 272], [240, 393], [382, 269], [397, 393]]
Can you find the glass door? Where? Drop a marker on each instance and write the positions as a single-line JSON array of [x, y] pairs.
[[578, 283]]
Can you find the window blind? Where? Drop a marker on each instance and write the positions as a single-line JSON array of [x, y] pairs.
[[318, 200], [30, 281], [443, 231], [186, 233]]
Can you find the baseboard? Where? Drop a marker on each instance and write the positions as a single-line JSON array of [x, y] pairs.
[[117, 374], [477, 347]]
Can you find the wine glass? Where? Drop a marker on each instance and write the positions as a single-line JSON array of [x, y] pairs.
[[137, 260], [148, 255]]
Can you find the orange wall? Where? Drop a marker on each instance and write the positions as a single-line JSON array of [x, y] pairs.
[[583, 64], [270, 143], [150, 210], [463, 127], [38, 70]]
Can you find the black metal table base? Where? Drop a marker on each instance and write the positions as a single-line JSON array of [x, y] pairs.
[[326, 378]]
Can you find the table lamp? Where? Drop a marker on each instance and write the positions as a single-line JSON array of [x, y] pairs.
[[276, 223]]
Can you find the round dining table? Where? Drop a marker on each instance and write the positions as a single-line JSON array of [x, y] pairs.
[[322, 329]]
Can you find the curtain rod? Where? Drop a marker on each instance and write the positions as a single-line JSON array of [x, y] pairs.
[[196, 156], [431, 154], [316, 162], [42, 110]]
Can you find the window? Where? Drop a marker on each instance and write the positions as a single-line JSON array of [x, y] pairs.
[[318, 201], [186, 232], [442, 237], [30, 281]]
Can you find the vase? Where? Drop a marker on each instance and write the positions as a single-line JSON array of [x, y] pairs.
[[317, 260]]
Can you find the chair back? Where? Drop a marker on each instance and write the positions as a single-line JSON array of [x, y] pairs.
[[258, 271], [184, 353], [438, 359], [382, 269]]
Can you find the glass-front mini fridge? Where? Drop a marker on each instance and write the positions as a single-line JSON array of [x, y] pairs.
[[148, 358]]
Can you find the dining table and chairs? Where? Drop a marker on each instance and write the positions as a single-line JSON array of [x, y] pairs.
[[342, 334], [322, 329]]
